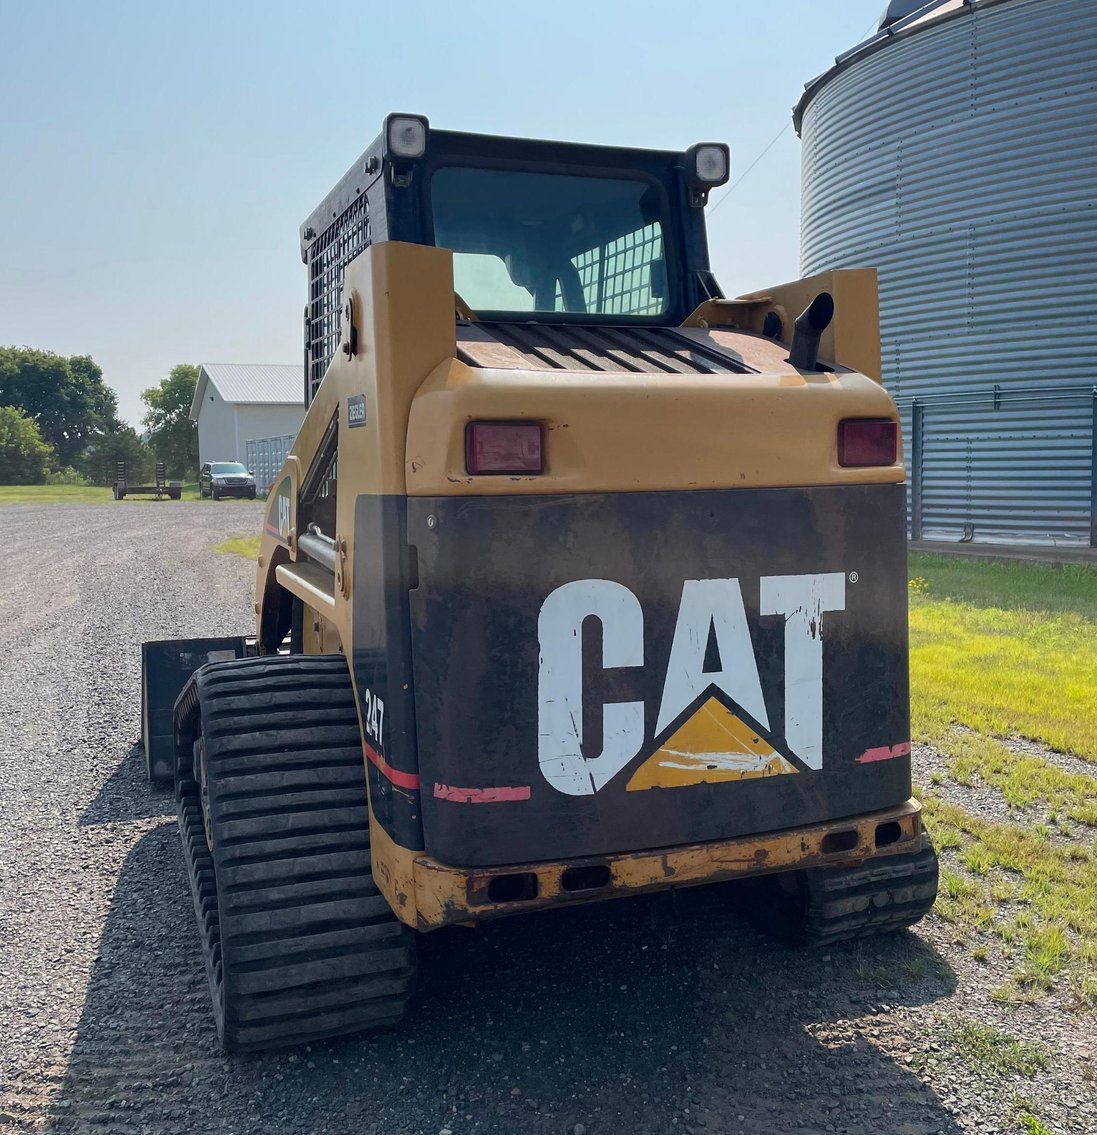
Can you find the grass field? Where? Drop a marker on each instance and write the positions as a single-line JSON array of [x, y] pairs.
[[76, 494], [54, 494], [1000, 652], [1005, 649], [246, 546]]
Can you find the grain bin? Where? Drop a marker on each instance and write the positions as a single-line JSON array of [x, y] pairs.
[[954, 152]]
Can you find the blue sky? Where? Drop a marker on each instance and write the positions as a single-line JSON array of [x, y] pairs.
[[156, 159]]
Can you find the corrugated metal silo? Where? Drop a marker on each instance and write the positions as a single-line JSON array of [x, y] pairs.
[[956, 152]]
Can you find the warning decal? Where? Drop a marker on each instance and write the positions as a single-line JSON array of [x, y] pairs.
[[715, 744]]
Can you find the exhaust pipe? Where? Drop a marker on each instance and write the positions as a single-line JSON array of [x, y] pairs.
[[808, 329]]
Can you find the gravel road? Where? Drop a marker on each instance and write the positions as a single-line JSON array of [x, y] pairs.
[[653, 1015]]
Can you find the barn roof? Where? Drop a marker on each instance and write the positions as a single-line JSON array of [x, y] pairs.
[[257, 383]]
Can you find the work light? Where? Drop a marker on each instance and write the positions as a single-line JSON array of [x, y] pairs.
[[708, 164], [705, 166], [405, 136]]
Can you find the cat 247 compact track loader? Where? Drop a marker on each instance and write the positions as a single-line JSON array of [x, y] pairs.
[[580, 581]]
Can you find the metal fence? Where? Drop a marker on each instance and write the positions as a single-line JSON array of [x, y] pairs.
[[265, 458], [1014, 464]]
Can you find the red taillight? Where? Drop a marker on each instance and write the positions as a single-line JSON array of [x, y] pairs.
[[867, 441], [503, 447]]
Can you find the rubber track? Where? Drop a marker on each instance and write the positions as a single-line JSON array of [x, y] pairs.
[[298, 942], [885, 894]]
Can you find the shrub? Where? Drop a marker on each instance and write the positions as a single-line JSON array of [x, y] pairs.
[[24, 456], [66, 476]]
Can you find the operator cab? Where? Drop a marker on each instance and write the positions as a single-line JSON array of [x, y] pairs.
[[549, 232]]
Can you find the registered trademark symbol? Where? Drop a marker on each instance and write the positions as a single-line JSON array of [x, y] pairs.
[[853, 577]]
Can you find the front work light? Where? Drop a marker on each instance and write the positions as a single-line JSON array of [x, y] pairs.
[[405, 136]]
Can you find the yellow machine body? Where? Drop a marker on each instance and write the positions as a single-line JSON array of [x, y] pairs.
[[608, 433]]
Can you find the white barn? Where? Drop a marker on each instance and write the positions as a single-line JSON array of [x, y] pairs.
[[235, 403]]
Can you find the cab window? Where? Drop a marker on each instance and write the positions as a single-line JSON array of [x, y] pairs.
[[551, 242]]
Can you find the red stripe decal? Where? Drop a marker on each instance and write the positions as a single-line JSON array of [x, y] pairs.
[[884, 753], [400, 779], [480, 795]]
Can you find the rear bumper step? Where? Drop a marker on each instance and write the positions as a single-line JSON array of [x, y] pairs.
[[446, 895]]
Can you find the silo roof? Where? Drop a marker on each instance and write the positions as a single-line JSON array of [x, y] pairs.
[[901, 19]]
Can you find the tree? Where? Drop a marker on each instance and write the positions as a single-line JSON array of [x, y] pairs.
[[65, 397], [24, 456], [99, 461], [173, 437]]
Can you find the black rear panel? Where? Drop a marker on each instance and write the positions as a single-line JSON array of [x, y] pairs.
[[608, 672]]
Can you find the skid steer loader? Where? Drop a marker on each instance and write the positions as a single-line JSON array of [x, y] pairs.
[[580, 581]]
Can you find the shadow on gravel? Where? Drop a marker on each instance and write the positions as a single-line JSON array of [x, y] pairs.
[[127, 794], [659, 1014]]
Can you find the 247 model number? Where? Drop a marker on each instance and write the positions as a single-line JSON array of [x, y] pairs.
[[373, 714]]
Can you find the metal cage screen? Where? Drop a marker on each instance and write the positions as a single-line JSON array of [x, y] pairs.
[[329, 256]]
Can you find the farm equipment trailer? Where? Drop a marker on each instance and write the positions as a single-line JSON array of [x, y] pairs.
[[579, 581], [162, 488]]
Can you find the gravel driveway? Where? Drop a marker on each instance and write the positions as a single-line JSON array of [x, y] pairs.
[[659, 1014]]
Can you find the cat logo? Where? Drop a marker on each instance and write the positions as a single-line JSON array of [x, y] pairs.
[[712, 724], [279, 521]]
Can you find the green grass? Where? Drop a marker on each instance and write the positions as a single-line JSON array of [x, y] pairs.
[[77, 494], [1022, 586], [990, 1052], [246, 546], [988, 661], [1038, 899], [1024, 780], [998, 651], [1033, 1126], [1004, 649], [53, 494]]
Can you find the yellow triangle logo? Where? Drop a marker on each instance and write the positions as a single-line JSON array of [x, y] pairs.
[[713, 745]]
